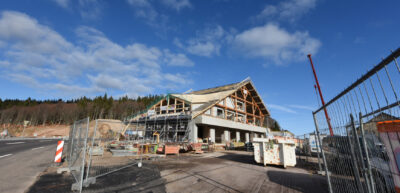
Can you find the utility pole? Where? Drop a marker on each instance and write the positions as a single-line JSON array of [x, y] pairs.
[[320, 94]]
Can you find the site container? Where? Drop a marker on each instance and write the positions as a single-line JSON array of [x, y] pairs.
[[274, 151]]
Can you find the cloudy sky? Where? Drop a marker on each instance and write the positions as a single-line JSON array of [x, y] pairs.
[[67, 49]]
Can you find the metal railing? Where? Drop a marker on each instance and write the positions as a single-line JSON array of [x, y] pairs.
[[360, 137]]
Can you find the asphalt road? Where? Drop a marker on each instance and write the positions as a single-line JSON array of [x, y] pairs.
[[22, 160]]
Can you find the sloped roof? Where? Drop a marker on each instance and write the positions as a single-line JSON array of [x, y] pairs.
[[383, 117], [211, 96]]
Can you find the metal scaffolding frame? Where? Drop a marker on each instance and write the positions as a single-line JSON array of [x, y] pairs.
[[171, 128]]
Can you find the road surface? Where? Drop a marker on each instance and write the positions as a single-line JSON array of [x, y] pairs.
[[22, 160]]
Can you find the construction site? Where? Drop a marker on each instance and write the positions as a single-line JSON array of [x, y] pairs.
[[211, 125], [151, 96], [217, 140]]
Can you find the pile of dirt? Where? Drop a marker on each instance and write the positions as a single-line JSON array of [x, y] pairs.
[[106, 128], [39, 131]]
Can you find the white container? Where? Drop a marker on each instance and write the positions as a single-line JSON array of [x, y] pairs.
[[274, 151]]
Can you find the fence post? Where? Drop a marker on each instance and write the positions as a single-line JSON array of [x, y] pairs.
[[84, 155], [367, 155], [90, 153], [354, 159], [70, 142], [328, 178], [318, 152], [357, 140]]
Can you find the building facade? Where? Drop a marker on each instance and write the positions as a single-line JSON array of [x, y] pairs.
[[223, 114]]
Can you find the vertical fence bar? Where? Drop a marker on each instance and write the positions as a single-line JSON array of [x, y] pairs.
[[91, 151], [371, 178], [84, 156], [354, 160], [328, 178], [357, 140], [318, 151], [71, 142]]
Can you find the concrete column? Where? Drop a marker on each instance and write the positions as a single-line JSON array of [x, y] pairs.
[[237, 136], [212, 135], [227, 136], [193, 132], [255, 135], [262, 136], [247, 135]]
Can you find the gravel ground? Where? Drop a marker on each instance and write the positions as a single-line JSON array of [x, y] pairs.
[[228, 171]]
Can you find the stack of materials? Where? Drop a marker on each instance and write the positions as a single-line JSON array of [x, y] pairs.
[[197, 147], [171, 149]]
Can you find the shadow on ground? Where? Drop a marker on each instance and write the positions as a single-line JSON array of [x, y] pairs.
[[299, 181], [246, 159], [131, 179]]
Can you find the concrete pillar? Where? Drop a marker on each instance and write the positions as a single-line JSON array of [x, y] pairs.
[[212, 135], [227, 136], [237, 136], [262, 136], [193, 132], [247, 135], [255, 135]]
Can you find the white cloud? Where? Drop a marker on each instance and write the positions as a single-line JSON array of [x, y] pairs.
[[177, 59], [303, 107], [290, 10], [274, 43], [90, 9], [177, 4], [206, 43], [62, 3], [145, 10], [281, 108], [44, 60]]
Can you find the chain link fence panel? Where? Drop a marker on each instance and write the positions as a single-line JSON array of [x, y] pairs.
[[359, 132], [77, 143], [109, 152]]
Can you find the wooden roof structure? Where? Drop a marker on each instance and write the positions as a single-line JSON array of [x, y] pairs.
[[206, 98]]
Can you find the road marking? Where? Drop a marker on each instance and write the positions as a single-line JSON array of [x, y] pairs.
[[15, 143], [37, 148], [5, 155]]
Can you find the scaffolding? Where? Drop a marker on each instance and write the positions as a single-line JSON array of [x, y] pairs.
[[170, 128]]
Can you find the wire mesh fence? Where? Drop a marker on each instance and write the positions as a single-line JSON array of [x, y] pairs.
[[77, 152], [101, 147], [359, 132], [308, 152], [106, 152]]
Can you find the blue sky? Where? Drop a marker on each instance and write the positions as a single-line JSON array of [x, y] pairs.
[[67, 49]]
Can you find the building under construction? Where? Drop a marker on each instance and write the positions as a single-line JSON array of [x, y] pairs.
[[223, 114]]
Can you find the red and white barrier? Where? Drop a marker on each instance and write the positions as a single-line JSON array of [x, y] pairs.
[[59, 151]]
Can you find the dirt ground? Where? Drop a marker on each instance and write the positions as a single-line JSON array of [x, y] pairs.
[[228, 171], [104, 127]]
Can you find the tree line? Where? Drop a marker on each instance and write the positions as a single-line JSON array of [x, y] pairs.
[[58, 111]]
